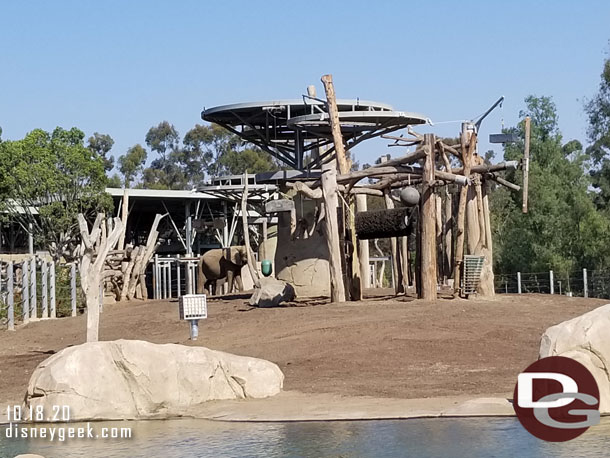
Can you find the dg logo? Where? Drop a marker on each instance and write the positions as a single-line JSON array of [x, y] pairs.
[[556, 399]]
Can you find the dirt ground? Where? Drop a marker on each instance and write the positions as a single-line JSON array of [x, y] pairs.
[[383, 346]]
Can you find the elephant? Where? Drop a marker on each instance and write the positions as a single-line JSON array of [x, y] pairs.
[[220, 263]]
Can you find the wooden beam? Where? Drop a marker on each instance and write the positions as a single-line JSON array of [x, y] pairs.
[[329, 192], [459, 233], [526, 163], [335, 125], [396, 265], [428, 225]]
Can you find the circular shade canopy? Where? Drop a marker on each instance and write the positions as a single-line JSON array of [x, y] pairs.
[[291, 129]]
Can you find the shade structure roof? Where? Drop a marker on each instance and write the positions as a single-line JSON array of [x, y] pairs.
[[297, 132]]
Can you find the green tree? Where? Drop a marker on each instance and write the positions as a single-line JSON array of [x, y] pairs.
[[165, 172], [598, 111], [101, 144], [46, 180], [562, 230], [132, 163], [254, 160]]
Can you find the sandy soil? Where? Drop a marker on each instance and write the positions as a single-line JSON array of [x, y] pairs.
[[381, 347]]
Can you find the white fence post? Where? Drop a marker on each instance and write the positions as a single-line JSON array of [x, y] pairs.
[[552, 280], [11, 298], [33, 299], [519, 282], [25, 290], [156, 278], [45, 289], [584, 281], [52, 290], [73, 288], [169, 279]]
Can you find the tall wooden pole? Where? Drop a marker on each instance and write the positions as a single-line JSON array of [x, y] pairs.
[[363, 246], [526, 163], [335, 126], [469, 139], [344, 165], [396, 264], [329, 193], [428, 225]]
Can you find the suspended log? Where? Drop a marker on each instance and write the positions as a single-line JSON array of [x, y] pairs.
[[379, 224]]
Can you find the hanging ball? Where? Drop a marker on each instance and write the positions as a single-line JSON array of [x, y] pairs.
[[409, 196], [266, 267]]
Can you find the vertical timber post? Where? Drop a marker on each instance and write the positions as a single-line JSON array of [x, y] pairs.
[[518, 282], [52, 298], [73, 288], [585, 283], [344, 164], [526, 163], [552, 282], [10, 285], [468, 142], [396, 266], [329, 192], [363, 247], [428, 226]]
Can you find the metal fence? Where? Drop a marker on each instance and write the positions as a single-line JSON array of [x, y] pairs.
[[36, 288], [581, 283]]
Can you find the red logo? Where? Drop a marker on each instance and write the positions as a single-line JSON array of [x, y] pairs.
[[556, 399]]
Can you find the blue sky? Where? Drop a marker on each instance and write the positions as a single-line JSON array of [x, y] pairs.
[[121, 67]]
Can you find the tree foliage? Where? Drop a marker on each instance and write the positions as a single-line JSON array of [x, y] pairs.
[[46, 179], [132, 163], [101, 144], [562, 229]]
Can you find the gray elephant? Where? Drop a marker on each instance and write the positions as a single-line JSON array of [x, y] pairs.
[[219, 264]]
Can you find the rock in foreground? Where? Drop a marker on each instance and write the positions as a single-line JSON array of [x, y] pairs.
[[585, 339], [131, 379], [272, 293]]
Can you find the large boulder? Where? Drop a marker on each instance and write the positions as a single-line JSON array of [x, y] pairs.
[[131, 379], [585, 339], [272, 293]]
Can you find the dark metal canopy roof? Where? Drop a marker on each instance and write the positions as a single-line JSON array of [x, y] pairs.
[[291, 129]]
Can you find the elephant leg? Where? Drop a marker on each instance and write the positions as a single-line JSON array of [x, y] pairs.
[[230, 277], [218, 285], [240, 284], [201, 280]]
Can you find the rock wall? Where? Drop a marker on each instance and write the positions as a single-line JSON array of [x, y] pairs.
[[131, 379], [585, 339]]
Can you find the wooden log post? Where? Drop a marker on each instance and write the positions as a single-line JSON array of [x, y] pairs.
[[329, 194], [396, 264], [468, 142], [344, 165], [447, 233], [244, 219], [25, 291], [33, 292], [526, 163], [363, 246], [428, 225]]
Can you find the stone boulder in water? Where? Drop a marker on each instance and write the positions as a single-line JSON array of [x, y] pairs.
[[585, 339], [131, 379]]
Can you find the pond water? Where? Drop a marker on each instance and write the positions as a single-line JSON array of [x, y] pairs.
[[468, 437]]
